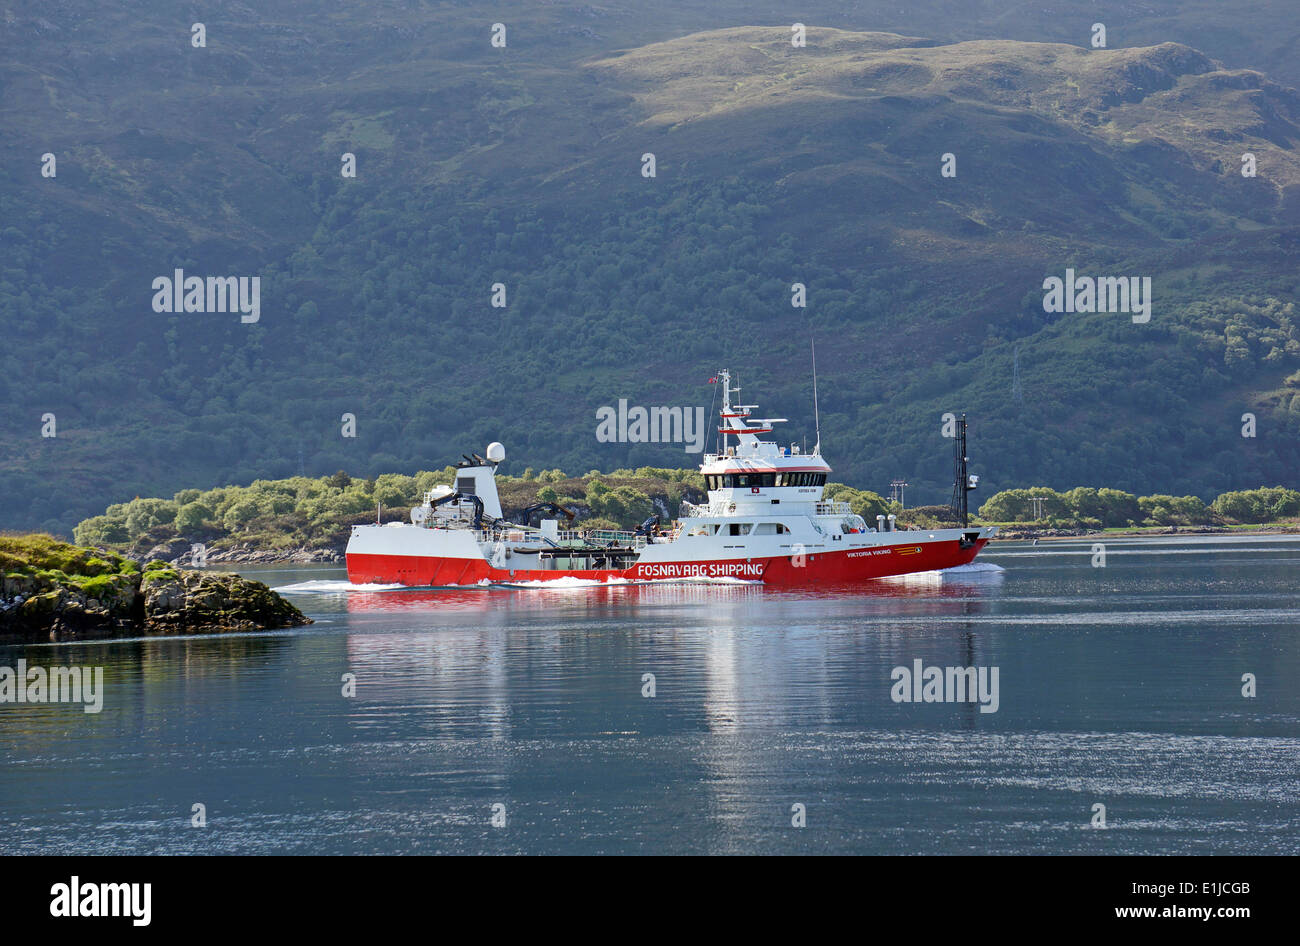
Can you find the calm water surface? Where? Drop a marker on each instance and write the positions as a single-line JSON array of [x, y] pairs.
[[1119, 685]]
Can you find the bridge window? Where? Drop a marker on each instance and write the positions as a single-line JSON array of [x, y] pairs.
[[802, 479], [744, 480]]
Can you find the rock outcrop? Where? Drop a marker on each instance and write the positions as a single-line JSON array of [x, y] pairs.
[[182, 601], [51, 590]]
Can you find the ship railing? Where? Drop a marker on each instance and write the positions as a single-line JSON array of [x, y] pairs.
[[614, 537], [605, 537], [717, 508], [834, 509], [503, 535], [602, 537], [522, 535]]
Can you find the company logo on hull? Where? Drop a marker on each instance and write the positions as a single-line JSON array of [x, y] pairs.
[[702, 570]]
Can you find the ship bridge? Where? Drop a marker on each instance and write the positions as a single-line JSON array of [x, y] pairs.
[[754, 472]]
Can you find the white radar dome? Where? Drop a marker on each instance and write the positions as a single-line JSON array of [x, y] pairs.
[[496, 452]]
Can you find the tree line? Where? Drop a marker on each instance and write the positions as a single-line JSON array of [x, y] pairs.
[[1087, 507]]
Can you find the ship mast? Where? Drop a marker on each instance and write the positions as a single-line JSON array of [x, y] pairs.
[[961, 485], [736, 419], [817, 417], [725, 376]]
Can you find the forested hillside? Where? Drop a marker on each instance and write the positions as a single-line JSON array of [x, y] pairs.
[[523, 166]]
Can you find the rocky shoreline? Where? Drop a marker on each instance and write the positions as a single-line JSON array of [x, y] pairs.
[[1012, 533], [52, 591], [182, 552]]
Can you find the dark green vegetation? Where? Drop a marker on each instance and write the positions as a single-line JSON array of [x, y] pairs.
[[306, 513], [50, 590], [1090, 508], [522, 166]]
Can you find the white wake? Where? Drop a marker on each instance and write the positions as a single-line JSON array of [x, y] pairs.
[[323, 587]]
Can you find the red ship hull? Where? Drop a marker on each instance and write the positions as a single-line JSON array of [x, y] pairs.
[[850, 565]]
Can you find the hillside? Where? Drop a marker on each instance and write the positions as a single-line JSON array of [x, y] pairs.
[[522, 166]]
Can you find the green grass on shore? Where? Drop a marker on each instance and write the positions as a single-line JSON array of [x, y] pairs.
[[43, 556]]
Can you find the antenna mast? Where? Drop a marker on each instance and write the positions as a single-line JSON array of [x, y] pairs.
[[817, 417], [963, 482]]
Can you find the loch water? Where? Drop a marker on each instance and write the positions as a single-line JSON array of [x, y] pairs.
[[699, 718]]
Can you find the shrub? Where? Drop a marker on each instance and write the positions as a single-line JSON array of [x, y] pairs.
[[101, 531], [193, 517]]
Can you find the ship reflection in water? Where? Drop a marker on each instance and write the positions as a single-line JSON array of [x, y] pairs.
[[972, 581]]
